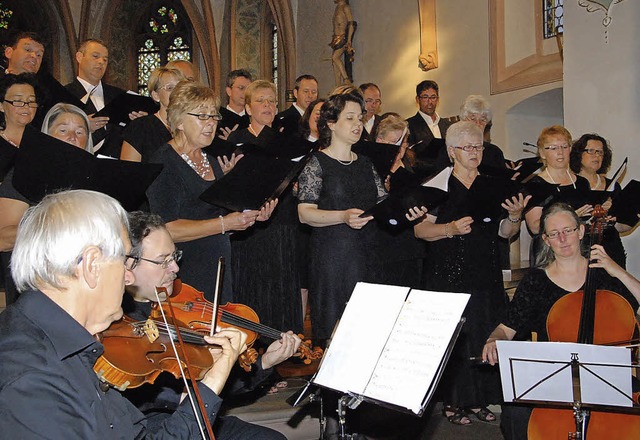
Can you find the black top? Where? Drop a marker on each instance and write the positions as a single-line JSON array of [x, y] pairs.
[[7, 157], [231, 119], [8, 191], [536, 294], [54, 366], [288, 120], [174, 195], [146, 135], [420, 131]]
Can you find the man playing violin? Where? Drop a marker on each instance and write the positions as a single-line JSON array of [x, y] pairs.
[[69, 263], [156, 265]]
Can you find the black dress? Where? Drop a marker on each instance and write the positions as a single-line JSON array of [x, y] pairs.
[[339, 255], [266, 258], [146, 135], [175, 195], [469, 264]]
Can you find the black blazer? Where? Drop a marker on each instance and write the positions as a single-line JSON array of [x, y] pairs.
[[288, 119], [420, 131], [366, 136], [112, 133]]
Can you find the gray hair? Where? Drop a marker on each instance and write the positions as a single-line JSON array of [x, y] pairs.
[[476, 105], [62, 108], [53, 235], [459, 131]]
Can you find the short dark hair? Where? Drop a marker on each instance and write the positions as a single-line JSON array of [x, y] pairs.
[[83, 45], [330, 112], [580, 145], [9, 80], [304, 128], [238, 73], [425, 85], [15, 38], [301, 78], [366, 86], [141, 224]]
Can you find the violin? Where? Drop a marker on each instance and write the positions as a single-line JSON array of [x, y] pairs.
[[137, 352], [588, 317], [194, 312]]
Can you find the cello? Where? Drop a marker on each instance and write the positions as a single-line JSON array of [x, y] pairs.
[[590, 316]]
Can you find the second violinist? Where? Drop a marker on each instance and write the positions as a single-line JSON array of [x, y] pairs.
[[157, 265]]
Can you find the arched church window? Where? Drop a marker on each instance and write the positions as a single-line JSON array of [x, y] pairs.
[[553, 16], [164, 35]]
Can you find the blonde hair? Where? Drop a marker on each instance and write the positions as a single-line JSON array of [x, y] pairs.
[[185, 98]]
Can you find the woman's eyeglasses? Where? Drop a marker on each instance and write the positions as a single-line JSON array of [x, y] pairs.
[[553, 235]]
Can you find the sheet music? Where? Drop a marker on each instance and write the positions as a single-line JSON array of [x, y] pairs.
[[389, 343], [412, 354], [360, 337]]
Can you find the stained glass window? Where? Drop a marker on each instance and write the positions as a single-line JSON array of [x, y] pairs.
[[553, 16], [164, 35], [274, 54], [5, 16]]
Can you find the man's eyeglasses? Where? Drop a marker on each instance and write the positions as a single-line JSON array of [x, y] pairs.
[[131, 261], [553, 235], [18, 103], [206, 117], [562, 147], [373, 101], [429, 97], [470, 148], [594, 152]]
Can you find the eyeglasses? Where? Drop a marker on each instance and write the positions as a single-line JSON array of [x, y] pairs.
[[477, 118], [553, 235], [206, 117], [373, 101], [593, 152], [168, 87], [429, 97], [132, 261], [262, 100], [18, 103], [562, 147], [470, 148]]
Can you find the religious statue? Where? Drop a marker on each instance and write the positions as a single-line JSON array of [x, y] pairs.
[[343, 53]]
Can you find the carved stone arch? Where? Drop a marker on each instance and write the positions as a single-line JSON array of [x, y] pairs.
[[283, 15], [45, 18], [201, 18]]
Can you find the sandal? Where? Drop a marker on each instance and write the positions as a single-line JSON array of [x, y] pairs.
[[458, 416], [484, 415]]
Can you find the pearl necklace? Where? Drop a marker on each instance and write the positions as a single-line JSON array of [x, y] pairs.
[[573, 182], [463, 180], [342, 162], [4, 136], [252, 131], [202, 168]]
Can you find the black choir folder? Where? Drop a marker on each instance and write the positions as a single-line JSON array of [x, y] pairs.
[[119, 108], [392, 344]]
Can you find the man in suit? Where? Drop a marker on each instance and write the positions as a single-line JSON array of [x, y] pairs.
[[234, 116], [372, 103], [427, 125], [93, 59], [305, 91]]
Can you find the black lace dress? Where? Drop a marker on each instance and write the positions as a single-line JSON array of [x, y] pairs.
[[469, 264], [339, 255]]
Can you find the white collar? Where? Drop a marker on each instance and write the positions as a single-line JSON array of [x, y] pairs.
[[430, 122], [242, 113]]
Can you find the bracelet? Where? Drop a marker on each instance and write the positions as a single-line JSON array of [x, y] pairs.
[[222, 224], [518, 220], [447, 233]]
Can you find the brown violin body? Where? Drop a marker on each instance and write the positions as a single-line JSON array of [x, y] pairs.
[[136, 353], [194, 311]]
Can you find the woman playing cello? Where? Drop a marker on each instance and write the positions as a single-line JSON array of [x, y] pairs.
[[560, 269]]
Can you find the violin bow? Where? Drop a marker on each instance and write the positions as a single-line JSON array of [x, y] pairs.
[[199, 410], [216, 296]]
